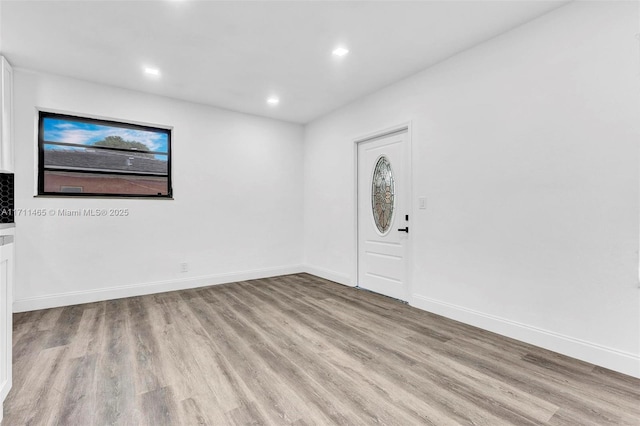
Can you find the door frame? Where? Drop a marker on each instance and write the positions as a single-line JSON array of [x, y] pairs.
[[406, 126]]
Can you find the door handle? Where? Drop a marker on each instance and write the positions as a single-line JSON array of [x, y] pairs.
[[404, 229]]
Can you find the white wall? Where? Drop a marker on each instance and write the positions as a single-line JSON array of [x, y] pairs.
[[237, 183], [526, 149], [0, 27]]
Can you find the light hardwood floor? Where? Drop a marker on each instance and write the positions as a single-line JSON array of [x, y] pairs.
[[292, 350]]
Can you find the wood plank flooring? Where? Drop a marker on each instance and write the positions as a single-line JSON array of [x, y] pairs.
[[293, 350]]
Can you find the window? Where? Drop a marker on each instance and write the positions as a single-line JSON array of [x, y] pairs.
[[382, 194], [86, 157]]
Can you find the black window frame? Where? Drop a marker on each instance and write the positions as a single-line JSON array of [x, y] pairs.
[[42, 168]]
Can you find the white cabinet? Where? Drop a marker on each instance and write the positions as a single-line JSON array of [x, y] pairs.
[[6, 118], [6, 234], [6, 311]]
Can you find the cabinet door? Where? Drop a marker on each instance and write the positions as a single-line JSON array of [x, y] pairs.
[[6, 322], [6, 122]]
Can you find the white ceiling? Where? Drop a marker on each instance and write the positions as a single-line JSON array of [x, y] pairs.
[[235, 54]]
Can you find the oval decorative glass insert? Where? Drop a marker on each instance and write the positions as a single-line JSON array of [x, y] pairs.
[[382, 194]]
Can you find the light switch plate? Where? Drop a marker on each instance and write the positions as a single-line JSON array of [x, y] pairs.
[[422, 203]]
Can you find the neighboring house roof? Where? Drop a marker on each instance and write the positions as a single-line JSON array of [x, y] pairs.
[[103, 160]]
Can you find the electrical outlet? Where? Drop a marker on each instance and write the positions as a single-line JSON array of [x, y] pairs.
[[184, 267]]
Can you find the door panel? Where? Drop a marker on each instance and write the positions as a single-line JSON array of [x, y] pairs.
[[382, 250]]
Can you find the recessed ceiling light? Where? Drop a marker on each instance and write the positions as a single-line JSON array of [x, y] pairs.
[[340, 51], [273, 101], [152, 71]]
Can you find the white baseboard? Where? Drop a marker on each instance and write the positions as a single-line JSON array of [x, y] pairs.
[[329, 275], [624, 362], [119, 292]]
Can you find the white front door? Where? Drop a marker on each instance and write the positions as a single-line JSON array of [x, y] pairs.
[[383, 208]]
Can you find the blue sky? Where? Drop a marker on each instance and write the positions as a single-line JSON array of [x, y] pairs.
[[69, 131]]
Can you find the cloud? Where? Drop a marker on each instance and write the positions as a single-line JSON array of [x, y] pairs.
[[77, 136], [64, 126]]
